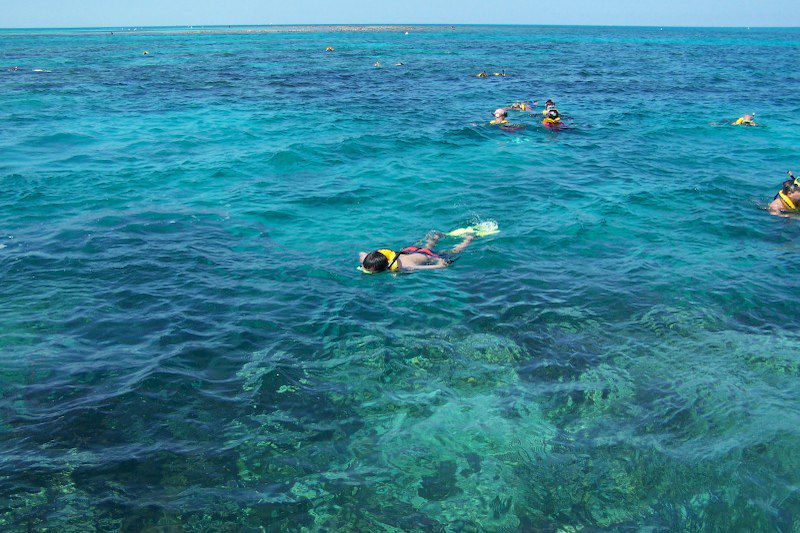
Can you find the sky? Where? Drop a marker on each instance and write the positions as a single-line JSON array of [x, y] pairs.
[[118, 13]]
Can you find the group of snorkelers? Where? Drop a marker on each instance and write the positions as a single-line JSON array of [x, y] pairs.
[[787, 200], [551, 120], [412, 258]]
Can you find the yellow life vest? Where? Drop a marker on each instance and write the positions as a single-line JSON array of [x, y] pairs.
[[551, 121], [742, 122], [788, 201], [498, 122], [392, 258]]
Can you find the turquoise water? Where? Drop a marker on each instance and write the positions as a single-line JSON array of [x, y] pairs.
[[185, 342]]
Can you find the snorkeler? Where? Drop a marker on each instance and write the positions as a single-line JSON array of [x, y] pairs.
[[411, 258], [329, 49], [788, 198], [500, 117], [548, 105], [482, 74], [746, 120], [552, 118], [523, 106]]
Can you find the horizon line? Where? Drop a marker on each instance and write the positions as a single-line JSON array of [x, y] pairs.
[[378, 24]]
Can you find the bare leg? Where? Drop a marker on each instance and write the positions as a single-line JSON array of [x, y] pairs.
[[463, 245], [433, 239]]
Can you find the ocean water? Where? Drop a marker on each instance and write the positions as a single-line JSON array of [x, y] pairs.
[[185, 342]]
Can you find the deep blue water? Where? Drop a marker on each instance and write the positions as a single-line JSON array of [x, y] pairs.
[[185, 342]]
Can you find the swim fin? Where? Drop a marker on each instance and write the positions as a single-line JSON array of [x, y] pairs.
[[479, 230]]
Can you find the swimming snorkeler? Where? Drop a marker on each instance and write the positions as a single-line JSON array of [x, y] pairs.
[[788, 198], [746, 120], [523, 106], [412, 258], [481, 74]]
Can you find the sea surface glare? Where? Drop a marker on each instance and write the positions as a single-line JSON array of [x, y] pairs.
[[186, 344]]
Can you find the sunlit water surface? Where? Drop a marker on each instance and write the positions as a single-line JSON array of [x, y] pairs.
[[185, 341]]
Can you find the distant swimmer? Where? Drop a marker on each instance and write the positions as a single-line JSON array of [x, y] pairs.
[[377, 64], [523, 106], [746, 120], [329, 49], [399, 64], [552, 118], [482, 74], [500, 117], [501, 74], [145, 53], [412, 258], [788, 198]]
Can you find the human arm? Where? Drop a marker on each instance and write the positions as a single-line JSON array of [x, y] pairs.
[[776, 208]]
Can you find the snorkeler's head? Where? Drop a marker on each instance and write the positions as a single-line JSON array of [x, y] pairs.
[[552, 113], [500, 113], [549, 103], [375, 262], [790, 186]]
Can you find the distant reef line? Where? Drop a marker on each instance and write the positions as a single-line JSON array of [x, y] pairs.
[[240, 30], [344, 28]]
